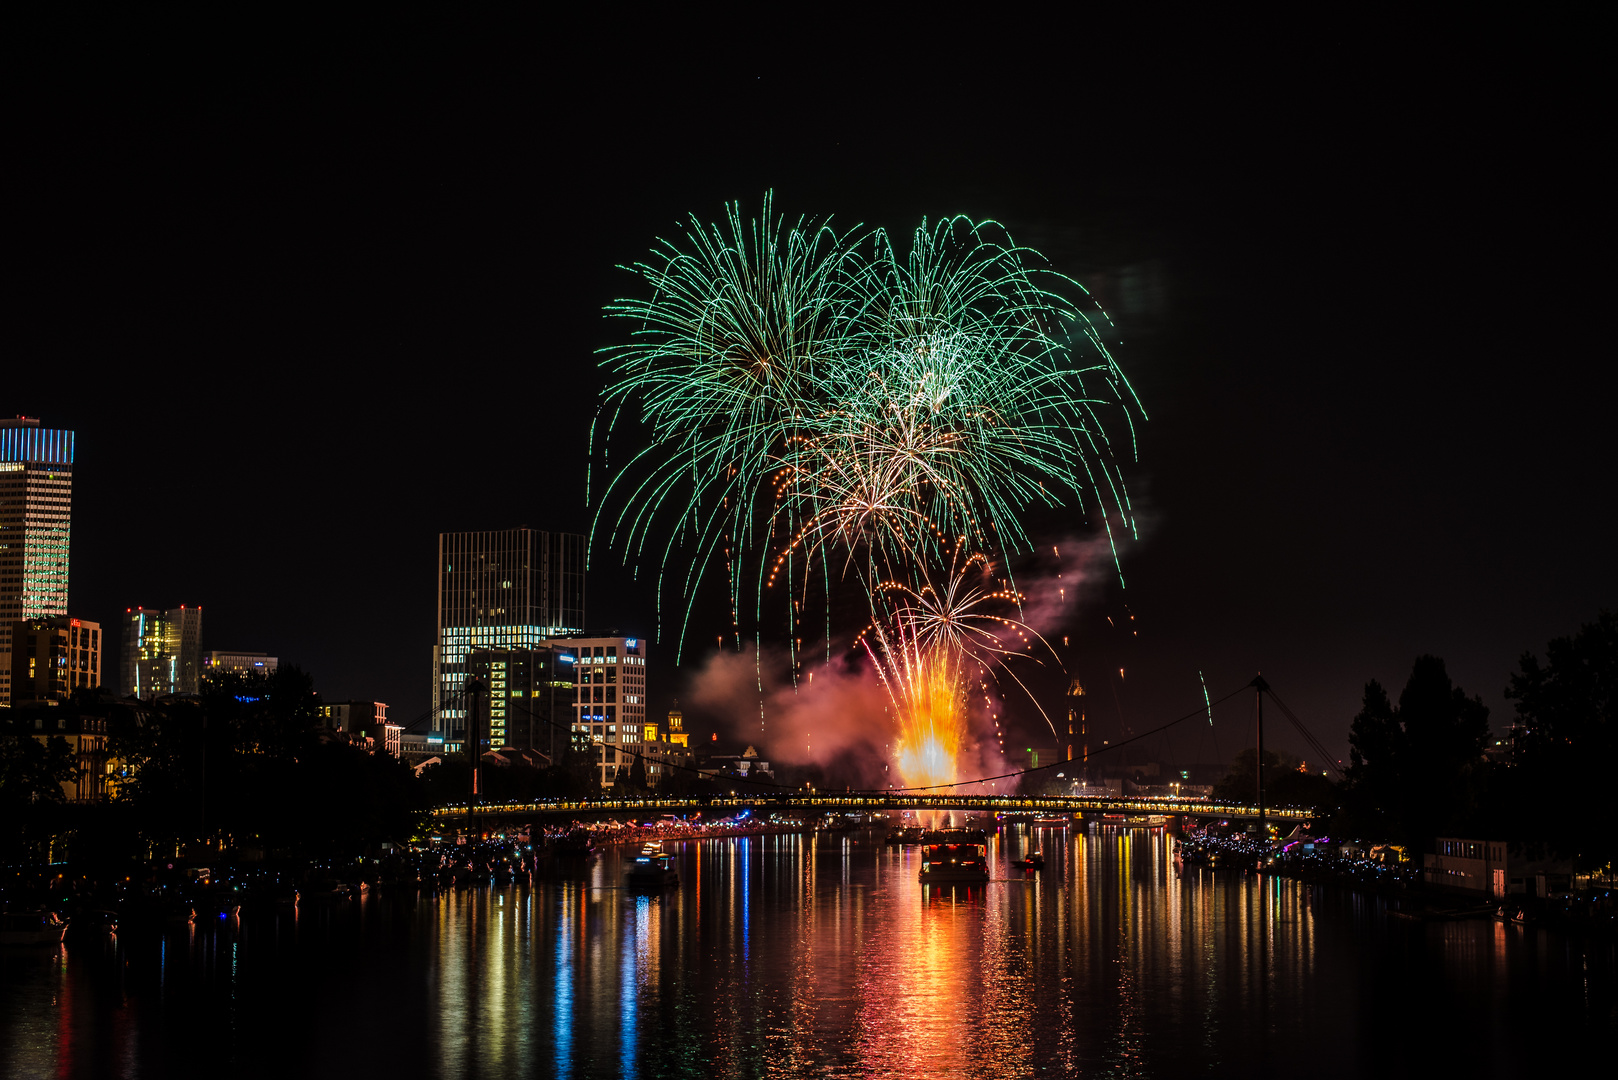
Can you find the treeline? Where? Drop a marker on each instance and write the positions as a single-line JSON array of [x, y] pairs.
[[1418, 768], [573, 776], [244, 767]]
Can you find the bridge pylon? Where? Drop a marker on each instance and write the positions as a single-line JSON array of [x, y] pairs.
[[1259, 687]]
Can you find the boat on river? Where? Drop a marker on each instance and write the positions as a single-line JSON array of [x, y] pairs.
[[31, 928], [651, 868], [954, 855], [1135, 821], [1034, 861]]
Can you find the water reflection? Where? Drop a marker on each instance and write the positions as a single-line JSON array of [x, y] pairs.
[[817, 956]]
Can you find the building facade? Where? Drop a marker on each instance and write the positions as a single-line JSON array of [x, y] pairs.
[[1078, 735], [531, 696], [85, 735], [667, 749], [610, 700], [243, 663], [419, 751], [51, 658], [676, 734], [36, 513], [161, 652], [364, 722], [1491, 868], [508, 589]]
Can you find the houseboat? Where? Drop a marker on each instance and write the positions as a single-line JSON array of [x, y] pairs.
[[954, 855]]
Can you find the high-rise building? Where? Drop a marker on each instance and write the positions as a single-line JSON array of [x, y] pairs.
[[509, 589], [36, 510], [245, 663], [162, 652], [51, 658], [530, 703], [610, 705]]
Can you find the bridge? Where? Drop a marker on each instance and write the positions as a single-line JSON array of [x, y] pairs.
[[873, 802]]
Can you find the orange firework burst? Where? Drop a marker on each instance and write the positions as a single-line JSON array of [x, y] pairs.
[[926, 649], [932, 719]]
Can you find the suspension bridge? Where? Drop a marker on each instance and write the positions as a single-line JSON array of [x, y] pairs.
[[873, 802]]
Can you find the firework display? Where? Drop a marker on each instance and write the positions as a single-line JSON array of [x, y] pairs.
[[816, 410], [928, 644]]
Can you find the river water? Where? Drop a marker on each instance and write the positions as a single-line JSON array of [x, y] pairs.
[[788, 956]]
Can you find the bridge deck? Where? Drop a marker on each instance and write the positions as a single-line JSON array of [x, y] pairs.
[[1035, 804]]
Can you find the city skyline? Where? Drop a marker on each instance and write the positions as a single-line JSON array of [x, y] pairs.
[[987, 550], [675, 680], [1321, 501]]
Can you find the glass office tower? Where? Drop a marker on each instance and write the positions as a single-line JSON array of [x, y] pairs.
[[36, 509], [508, 589], [530, 697], [162, 652]]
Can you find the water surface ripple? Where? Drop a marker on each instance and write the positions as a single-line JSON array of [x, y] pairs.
[[797, 956]]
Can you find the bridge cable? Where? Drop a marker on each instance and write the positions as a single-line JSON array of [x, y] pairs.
[[1093, 753], [1306, 733]]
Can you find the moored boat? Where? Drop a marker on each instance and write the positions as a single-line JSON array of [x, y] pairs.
[[91, 923], [954, 855], [31, 928], [1135, 821]]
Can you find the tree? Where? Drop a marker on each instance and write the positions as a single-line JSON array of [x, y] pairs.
[[1376, 742], [1417, 770], [630, 780], [32, 771], [31, 776], [1284, 783], [246, 760], [1563, 743]]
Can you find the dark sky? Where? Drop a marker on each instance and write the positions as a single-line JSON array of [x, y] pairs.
[[309, 298]]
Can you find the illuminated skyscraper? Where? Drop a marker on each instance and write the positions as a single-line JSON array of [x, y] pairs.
[[610, 700], [530, 697], [162, 652], [36, 504], [510, 589]]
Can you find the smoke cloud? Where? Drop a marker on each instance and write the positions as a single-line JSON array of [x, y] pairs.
[[836, 717], [1064, 574]]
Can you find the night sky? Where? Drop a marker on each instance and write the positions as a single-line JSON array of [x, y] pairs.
[[309, 302]]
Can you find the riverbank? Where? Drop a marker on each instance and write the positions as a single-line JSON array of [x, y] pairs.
[[1593, 912]]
